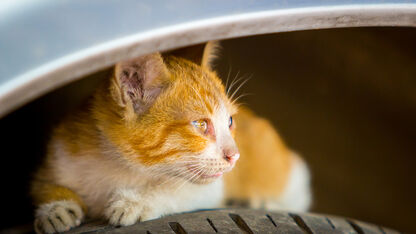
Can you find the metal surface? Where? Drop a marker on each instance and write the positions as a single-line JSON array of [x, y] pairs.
[[46, 44], [240, 221]]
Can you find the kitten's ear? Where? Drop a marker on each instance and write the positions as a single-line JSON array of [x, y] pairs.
[[210, 53], [138, 82], [201, 54]]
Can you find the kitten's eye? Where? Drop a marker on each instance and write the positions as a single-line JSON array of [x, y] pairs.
[[200, 124], [230, 122]]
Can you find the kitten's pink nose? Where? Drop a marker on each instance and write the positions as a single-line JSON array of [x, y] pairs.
[[231, 156]]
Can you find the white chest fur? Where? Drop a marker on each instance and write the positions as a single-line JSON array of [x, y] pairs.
[[105, 182]]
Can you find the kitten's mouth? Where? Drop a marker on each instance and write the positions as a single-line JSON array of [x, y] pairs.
[[216, 175], [204, 175]]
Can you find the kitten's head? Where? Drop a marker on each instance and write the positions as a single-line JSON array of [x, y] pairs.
[[172, 116]]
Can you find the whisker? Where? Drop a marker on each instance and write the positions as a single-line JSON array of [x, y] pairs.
[[235, 80], [240, 104], [241, 85], [190, 179], [195, 173], [198, 177], [228, 77], [182, 180], [183, 171], [184, 162], [241, 96], [178, 175]]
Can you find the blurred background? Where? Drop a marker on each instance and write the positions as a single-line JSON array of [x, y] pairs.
[[345, 99]]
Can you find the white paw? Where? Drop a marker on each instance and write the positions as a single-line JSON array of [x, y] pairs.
[[58, 216], [127, 208]]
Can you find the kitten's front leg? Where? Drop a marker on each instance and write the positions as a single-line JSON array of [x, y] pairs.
[[57, 216], [58, 208], [128, 206]]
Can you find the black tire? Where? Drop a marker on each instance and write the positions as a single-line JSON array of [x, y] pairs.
[[240, 221]]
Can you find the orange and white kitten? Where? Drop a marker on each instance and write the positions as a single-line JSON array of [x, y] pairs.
[[156, 139]]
